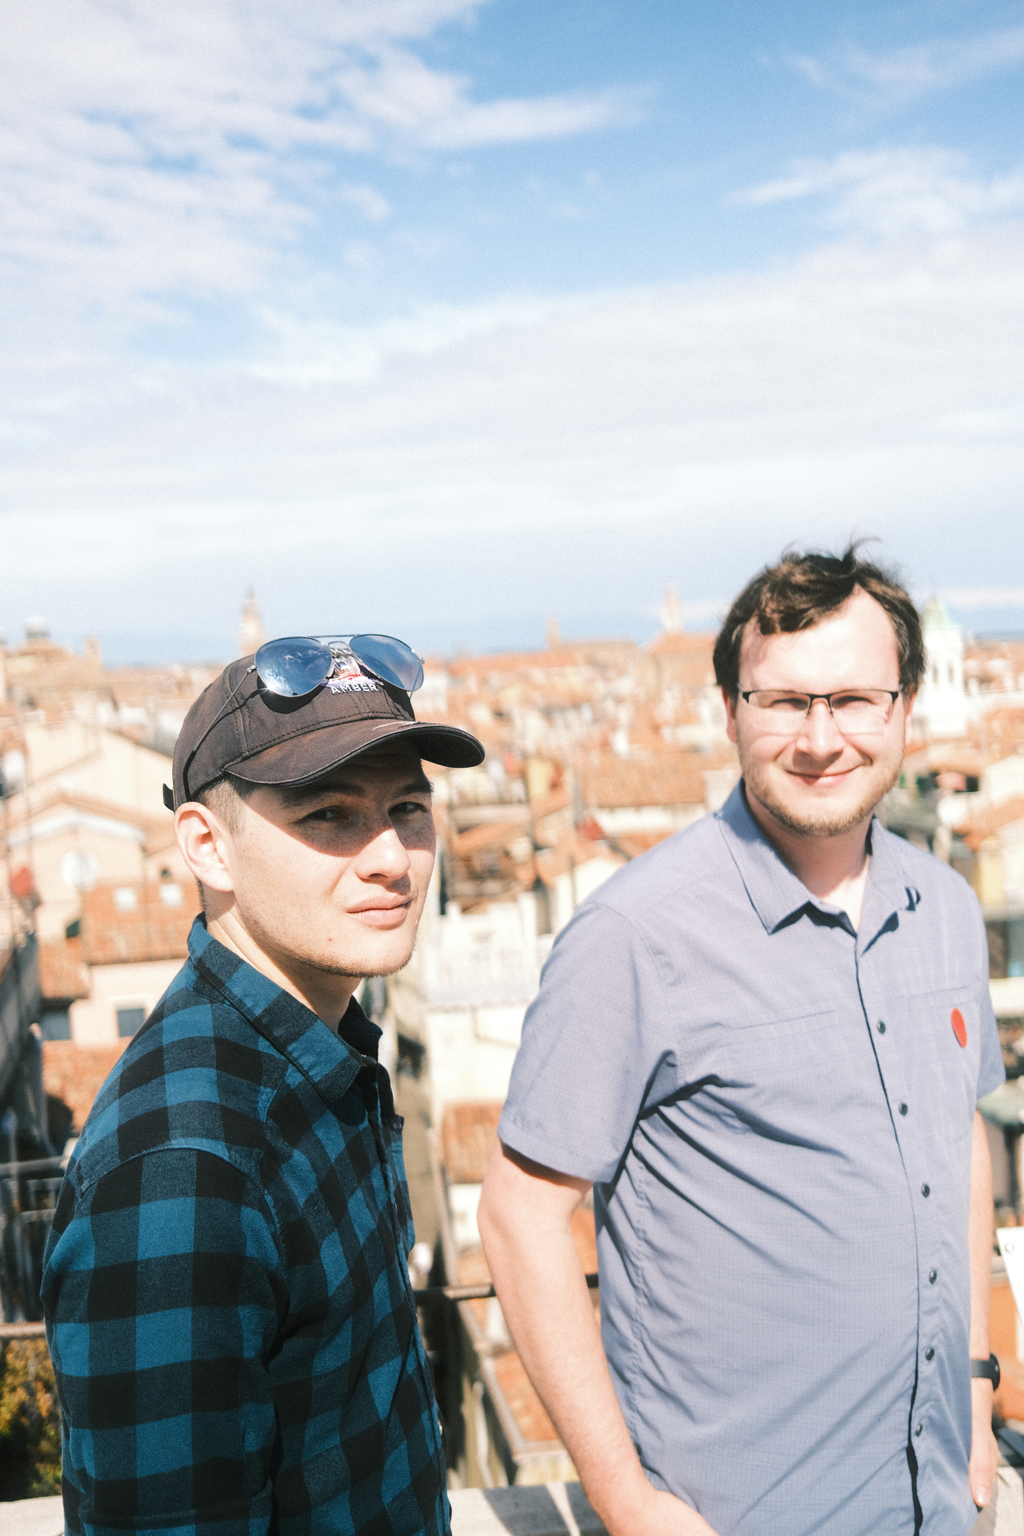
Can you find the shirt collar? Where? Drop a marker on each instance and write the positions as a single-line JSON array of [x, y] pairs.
[[778, 896], [314, 1047]]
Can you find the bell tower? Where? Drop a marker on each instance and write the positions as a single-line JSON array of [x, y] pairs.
[[250, 633], [941, 707]]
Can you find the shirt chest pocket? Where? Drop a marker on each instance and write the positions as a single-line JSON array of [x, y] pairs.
[[936, 1047]]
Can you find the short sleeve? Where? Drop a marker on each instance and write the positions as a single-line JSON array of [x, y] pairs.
[[597, 1046]]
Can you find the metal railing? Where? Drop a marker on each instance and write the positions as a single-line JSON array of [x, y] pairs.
[[28, 1196], [19, 1005], [482, 1292]]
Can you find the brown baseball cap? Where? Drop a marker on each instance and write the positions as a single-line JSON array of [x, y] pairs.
[[238, 726]]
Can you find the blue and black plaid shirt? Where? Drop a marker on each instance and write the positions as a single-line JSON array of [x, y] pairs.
[[227, 1297]]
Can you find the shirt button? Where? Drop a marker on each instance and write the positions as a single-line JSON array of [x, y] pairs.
[[933, 1275], [903, 1109], [881, 1026], [926, 1190], [929, 1353], [918, 1428]]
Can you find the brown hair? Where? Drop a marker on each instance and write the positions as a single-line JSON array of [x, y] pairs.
[[802, 590], [223, 796]]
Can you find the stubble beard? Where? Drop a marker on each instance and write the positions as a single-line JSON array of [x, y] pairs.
[[823, 823], [352, 967], [311, 958], [362, 974]]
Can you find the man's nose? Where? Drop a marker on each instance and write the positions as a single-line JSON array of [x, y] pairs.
[[384, 855], [820, 735]]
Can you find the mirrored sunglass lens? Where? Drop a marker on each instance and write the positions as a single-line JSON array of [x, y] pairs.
[[389, 659], [293, 667]]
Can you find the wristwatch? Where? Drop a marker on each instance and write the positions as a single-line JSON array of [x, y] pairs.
[[988, 1368]]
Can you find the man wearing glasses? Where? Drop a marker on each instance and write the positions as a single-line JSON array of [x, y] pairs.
[[226, 1288], [762, 1044]]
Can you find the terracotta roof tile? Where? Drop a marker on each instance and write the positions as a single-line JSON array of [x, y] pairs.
[[553, 862], [633, 844], [114, 931], [468, 1133], [42, 801], [987, 823], [526, 1407], [675, 779], [75, 1073], [486, 835], [62, 971]]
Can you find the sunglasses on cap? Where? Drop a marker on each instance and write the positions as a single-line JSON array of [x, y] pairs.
[[302, 663]]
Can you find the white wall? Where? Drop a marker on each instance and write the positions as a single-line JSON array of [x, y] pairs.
[[94, 1019], [647, 818], [1003, 780], [470, 1051]]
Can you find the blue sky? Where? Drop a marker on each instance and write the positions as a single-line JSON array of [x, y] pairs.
[[438, 316]]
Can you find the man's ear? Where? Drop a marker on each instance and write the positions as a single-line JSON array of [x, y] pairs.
[[205, 845], [730, 714], [909, 700]]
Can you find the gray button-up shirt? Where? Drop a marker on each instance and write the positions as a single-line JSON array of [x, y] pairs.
[[776, 1112]]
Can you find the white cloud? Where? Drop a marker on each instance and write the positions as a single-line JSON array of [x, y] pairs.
[[893, 192], [940, 63], [905, 73], [312, 351], [370, 203], [184, 149], [978, 598], [452, 466], [400, 93]]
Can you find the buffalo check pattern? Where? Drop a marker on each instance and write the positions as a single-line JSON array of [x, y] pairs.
[[226, 1289]]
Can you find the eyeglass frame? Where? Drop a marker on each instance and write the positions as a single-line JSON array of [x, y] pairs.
[[797, 693]]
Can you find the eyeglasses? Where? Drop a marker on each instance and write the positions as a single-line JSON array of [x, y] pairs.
[[856, 711], [302, 663]]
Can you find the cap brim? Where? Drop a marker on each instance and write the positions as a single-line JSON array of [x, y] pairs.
[[308, 757]]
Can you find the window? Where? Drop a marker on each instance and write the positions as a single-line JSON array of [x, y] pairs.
[[126, 899], [129, 1020], [55, 1024], [172, 895]]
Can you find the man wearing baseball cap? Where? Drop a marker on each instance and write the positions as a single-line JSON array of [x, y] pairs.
[[226, 1289]]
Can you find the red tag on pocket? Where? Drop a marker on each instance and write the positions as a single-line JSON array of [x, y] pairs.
[[956, 1018]]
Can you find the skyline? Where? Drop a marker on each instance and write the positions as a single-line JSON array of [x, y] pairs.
[[452, 314]]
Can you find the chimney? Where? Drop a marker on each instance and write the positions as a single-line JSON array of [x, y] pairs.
[[671, 612]]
